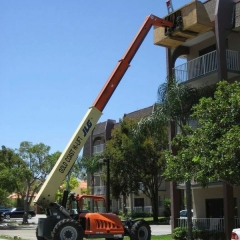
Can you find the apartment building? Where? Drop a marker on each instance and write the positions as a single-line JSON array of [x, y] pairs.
[[97, 143], [207, 37]]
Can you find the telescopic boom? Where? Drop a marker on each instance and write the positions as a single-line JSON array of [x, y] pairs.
[[46, 195]]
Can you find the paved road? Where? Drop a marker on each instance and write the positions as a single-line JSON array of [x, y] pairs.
[[158, 230], [30, 233]]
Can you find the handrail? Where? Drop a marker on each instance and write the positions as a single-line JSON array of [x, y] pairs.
[[205, 64]]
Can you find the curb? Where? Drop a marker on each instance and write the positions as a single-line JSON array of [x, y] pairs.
[[17, 227]]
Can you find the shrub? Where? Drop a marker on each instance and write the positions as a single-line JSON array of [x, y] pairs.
[[167, 207], [180, 233], [120, 212]]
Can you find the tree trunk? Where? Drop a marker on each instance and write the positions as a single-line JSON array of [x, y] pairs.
[[124, 210], [155, 200], [189, 209], [26, 211]]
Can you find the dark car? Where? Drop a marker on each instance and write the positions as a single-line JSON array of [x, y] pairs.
[[18, 213], [5, 209]]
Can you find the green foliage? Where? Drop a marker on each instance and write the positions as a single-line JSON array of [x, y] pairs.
[[119, 151], [91, 165], [68, 184], [208, 235], [176, 102], [167, 207], [24, 170], [218, 152], [12, 170], [177, 99], [136, 155], [180, 164], [179, 233], [4, 201]]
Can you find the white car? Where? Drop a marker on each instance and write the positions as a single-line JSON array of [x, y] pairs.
[[235, 234]]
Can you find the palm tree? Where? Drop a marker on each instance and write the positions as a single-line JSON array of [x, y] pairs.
[[91, 166], [176, 101]]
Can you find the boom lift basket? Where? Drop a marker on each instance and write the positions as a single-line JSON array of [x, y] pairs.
[[189, 21]]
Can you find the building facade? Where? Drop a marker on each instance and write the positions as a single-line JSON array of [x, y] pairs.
[[206, 36]]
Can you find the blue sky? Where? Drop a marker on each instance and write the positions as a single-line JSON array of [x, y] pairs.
[[55, 57]]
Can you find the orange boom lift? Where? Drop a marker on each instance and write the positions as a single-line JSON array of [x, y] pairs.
[[76, 222]]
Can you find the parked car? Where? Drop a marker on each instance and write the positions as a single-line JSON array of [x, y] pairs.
[[183, 214], [18, 213], [235, 234], [5, 209]]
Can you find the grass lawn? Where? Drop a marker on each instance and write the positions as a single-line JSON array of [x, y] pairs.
[[163, 237]]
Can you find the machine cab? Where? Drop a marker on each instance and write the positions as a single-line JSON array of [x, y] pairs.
[[79, 204]]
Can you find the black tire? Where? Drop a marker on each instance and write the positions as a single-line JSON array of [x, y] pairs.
[[7, 216], [140, 231], [68, 229], [39, 238]]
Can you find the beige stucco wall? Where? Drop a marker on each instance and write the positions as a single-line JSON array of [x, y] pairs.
[[194, 50], [233, 41], [201, 194], [233, 44]]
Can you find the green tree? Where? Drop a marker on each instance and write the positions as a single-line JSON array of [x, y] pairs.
[[39, 163], [218, 152], [69, 184], [119, 152], [150, 139], [176, 102], [135, 153], [12, 170]]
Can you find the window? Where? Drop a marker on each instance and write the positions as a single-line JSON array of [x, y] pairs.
[[139, 202], [98, 148]]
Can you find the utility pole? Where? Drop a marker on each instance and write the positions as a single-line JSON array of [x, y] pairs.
[[169, 6]]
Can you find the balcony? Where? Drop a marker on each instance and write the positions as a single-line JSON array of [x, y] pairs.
[[201, 70], [195, 184]]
